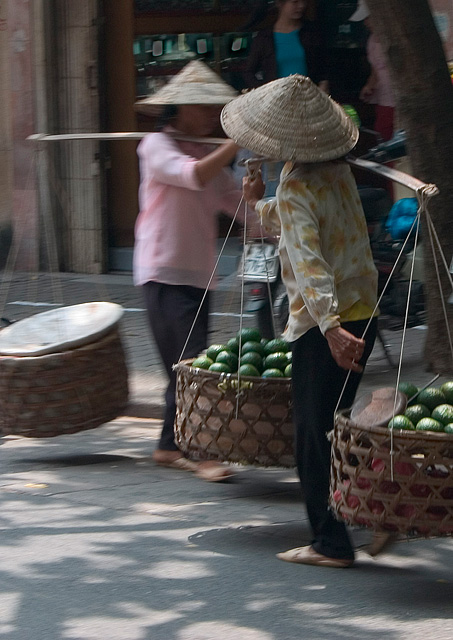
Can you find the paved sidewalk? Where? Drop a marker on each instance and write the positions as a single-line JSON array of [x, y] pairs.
[[97, 542]]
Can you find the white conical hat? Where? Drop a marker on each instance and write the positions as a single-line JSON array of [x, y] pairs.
[[196, 83], [290, 119], [360, 13]]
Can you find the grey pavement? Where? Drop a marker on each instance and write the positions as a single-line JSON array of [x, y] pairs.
[[99, 543]]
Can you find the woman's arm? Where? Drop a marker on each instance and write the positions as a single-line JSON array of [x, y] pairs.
[[314, 276], [211, 165], [299, 215], [161, 159]]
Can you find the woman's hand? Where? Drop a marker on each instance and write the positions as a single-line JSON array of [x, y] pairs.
[[366, 93], [253, 189], [370, 87], [345, 348]]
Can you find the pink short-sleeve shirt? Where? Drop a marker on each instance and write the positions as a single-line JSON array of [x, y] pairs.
[[176, 229]]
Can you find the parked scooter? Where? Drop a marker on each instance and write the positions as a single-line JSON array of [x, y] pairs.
[[392, 149]]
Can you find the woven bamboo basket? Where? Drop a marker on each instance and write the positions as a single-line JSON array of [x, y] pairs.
[[216, 421], [66, 392], [417, 500]]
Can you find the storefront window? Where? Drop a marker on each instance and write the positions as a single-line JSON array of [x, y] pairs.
[[240, 6], [195, 6], [159, 56], [186, 6]]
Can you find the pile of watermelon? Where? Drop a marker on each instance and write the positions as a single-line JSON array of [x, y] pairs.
[[430, 409], [258, 357]]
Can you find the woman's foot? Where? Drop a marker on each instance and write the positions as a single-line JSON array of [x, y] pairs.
[[173, 460], [210, 471], [307, 555], [382, 541]]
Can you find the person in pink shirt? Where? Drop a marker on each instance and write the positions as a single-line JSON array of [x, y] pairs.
[[183, 186], [378, 88]]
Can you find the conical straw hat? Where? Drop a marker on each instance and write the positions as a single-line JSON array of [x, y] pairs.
[[360, 13], [290, 119], [196, 83]]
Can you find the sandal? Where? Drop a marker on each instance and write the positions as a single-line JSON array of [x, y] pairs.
[[382, 541], [181, 463], [213, 472], [307, 555], [207, 471]]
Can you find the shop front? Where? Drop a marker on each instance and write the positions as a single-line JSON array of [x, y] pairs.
[[150, 41], [145, 46], [80, 67]]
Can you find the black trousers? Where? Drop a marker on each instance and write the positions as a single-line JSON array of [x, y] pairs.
[[171, 312], [317, 385]]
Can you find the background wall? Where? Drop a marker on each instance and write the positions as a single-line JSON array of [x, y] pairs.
[[6, 142], [17, 122]]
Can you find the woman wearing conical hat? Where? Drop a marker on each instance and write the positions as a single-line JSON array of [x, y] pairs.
[[183, 186], [294, 44], [328, 271]]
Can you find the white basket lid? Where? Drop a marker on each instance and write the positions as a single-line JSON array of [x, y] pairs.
[[59, 329]]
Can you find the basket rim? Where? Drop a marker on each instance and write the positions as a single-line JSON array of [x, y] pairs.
[[100, 318], [427, 436], [111, 336], [186, 364]]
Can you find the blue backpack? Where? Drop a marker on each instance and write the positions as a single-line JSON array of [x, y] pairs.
[[401, 217]]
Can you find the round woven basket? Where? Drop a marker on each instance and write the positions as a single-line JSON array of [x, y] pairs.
[[417, 499], [61, 393], [215, 420]]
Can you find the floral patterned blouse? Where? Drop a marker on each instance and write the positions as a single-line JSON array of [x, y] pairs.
[[325, 253]]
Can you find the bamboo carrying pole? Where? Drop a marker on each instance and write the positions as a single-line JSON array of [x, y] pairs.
[[375, 167], [126, 135]]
